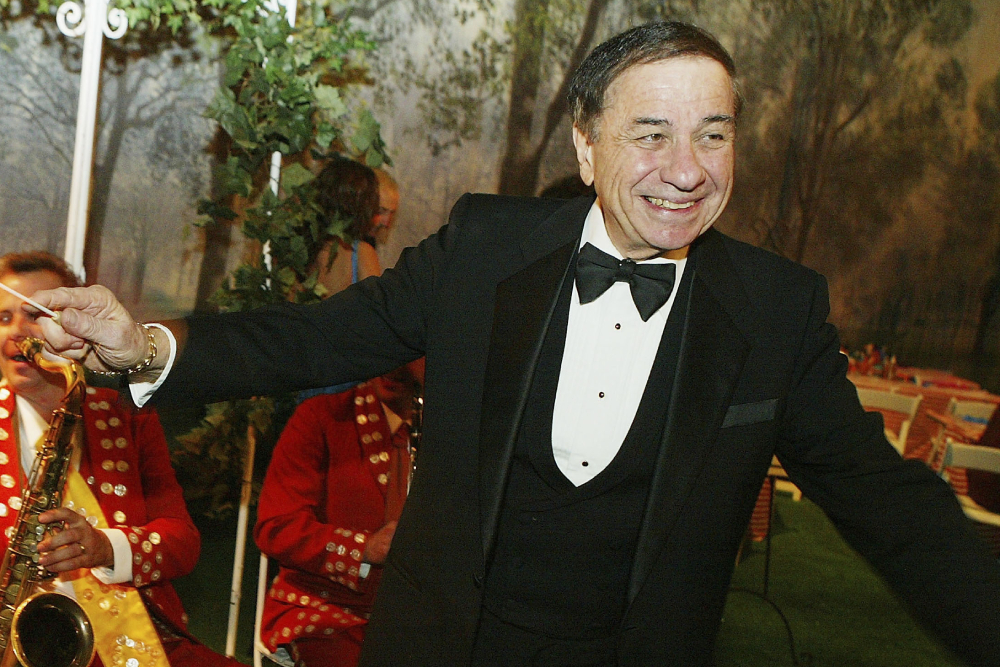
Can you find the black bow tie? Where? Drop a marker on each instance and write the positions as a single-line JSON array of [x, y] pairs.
[[651, 284]]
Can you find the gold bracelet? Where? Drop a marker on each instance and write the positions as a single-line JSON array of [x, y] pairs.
[[142, 365]]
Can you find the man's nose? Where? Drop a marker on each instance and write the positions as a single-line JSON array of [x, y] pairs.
[[682, 167]]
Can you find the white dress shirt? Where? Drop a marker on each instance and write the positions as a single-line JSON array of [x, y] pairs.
[[606, 362]]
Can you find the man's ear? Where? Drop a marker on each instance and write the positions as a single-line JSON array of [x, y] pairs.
[[584, 155]]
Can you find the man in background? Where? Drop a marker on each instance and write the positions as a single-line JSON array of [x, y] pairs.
[[328, 509], [388, 204]]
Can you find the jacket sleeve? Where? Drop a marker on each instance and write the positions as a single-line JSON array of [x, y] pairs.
[[291, 523], [358, 333], [896, 513], [168, 544]]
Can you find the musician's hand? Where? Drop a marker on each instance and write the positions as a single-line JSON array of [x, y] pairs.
[[377, 546], [77, 545], [93, 328]]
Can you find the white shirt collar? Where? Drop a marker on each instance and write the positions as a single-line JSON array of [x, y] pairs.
[[392, 420], [31, 428]]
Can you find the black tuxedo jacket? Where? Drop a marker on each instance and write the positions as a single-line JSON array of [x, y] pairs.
[[759, 373]]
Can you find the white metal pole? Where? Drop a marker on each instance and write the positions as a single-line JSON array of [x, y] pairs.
[[236, 591], [241, 539], [93, 24]]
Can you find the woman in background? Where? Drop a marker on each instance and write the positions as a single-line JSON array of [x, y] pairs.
[[348, 190]]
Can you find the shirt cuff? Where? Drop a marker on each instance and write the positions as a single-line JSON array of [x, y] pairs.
[[121, 573], [363, 570], [143, 391]]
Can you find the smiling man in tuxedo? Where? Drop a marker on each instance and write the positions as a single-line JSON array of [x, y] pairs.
[[606, 383]]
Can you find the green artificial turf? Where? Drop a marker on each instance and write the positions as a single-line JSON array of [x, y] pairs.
[[839, 611]]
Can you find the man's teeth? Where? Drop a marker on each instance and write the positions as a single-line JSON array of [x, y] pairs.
[[666, 203]]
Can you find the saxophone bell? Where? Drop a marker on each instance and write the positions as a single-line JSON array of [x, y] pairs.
[[52, 630]]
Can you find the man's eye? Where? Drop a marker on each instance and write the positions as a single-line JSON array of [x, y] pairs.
[[715, 137], [5, 317]]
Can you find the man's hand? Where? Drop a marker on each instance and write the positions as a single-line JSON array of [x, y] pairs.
[[377, 546], [77, 545], [93, 328]]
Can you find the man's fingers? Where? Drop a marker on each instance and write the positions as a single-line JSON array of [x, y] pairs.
[[85, 313], [94, 300], [57, 514], [70, 557], [58, 339], [92, 316]]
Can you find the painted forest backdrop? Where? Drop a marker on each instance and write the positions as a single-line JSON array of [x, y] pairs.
[[870, 148]]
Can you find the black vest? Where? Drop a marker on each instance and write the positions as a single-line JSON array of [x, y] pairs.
[[564, 553]]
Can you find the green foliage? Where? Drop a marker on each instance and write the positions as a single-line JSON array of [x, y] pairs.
[[210, 457], [285, 93]]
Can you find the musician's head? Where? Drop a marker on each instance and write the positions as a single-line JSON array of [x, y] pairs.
[[38, 260], [388, 203], [397, 388], [27, 273]]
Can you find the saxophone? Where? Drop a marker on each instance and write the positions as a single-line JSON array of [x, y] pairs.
[[416, 430], [40, 628]]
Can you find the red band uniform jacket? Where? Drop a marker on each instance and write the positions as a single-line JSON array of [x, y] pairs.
[[323, 494], [135, 486]]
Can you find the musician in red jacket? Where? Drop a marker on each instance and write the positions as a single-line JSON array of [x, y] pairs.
[[126, 530], [328, 509]]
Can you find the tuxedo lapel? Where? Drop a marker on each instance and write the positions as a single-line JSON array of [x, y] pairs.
[[712, 354], [523, 309]]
